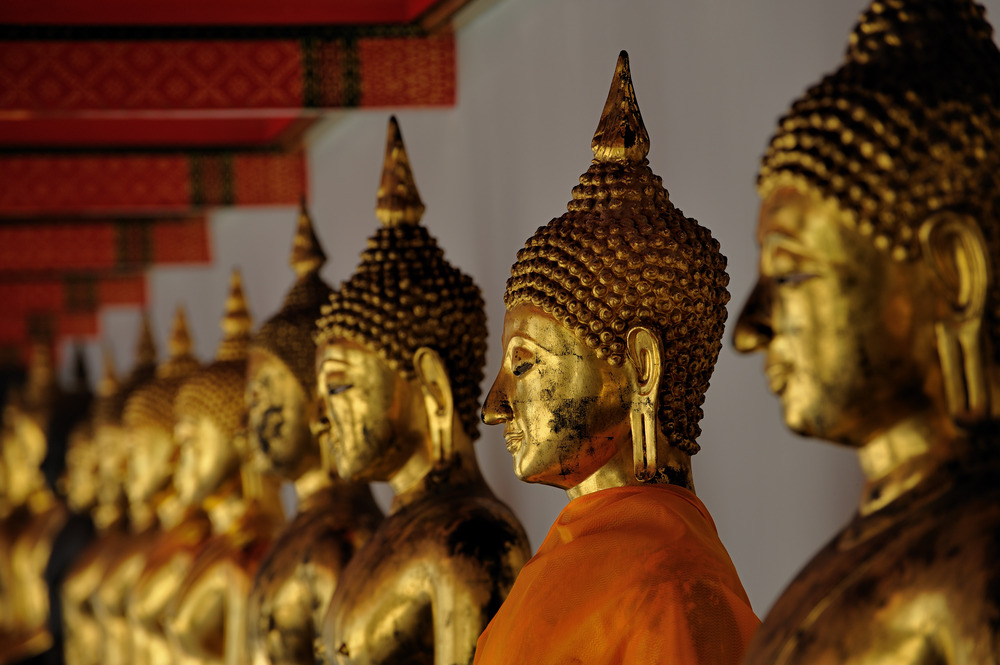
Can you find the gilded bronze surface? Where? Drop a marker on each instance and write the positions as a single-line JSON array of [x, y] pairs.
[[152, 457], [877, 308], [299, 574], [35, 514], [400, 358], [206, 619]]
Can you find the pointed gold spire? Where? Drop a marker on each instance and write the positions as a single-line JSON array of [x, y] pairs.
[[145, 352], [41, 380], [180, 338], [109, 380], [236, 324], [621, 135], [398, 199], [307, 254]]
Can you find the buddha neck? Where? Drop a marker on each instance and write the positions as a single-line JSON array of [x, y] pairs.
[[146, 515], [31, 491], [170, 511], [108, 517], [898, 459], [226, 506], [142, 517], [619, 471], [41, 499], [420, 478], [311, 482]]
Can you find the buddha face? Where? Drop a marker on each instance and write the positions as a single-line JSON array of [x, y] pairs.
[[81, 472], [848, 340], [151, 462], [565, 411], [277, 414], [109, 443], [376, 414], [207, 458]]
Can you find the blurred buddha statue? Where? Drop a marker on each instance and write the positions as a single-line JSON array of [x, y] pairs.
[[85, 639], [297, 578], [878, 308], [35, 516], [399, 365], [207, 617], [148, 425], [615, 312], [183, 526]]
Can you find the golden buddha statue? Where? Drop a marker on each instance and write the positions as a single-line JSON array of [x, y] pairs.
[[878, 308], [86, 642], [614, 320], [401, 350], [206, 619], [35, 515], [297, 578], [148, 425]]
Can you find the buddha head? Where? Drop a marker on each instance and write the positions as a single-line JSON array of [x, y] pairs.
[[111, 441], [877, 300], [615, 312], [401, 344], [208, 409], [149, 421], [281, 371]]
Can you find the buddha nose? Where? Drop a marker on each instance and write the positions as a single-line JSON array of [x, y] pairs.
[[753, 327], [496, 407]]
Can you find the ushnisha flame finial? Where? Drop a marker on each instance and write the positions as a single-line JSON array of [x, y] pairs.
[[145, 352], [307, 254], [181, 361], [180, 336], [621, 135], [236, 324], [108, 384], [41, 379], [398, 199]]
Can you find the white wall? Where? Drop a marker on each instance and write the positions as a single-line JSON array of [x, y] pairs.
[[712, 77]]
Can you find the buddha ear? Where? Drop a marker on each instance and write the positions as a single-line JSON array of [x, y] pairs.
[[953, 247], [645, 354], [438, 402]]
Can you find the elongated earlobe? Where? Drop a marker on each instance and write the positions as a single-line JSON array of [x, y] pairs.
[[645, 355], [438, 402], [953, 247]]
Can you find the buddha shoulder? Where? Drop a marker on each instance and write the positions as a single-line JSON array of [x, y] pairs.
[[922, 580]]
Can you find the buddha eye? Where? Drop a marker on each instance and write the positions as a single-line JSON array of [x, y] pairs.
[[337, 389], [793, 278], [523, 367]]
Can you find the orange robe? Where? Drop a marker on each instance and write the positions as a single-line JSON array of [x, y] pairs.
[[625, 575]]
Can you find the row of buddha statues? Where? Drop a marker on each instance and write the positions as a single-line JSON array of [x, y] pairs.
[[878, 309]]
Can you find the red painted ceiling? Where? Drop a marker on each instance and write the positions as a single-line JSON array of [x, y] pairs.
[[122, 121], [212, 12]]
